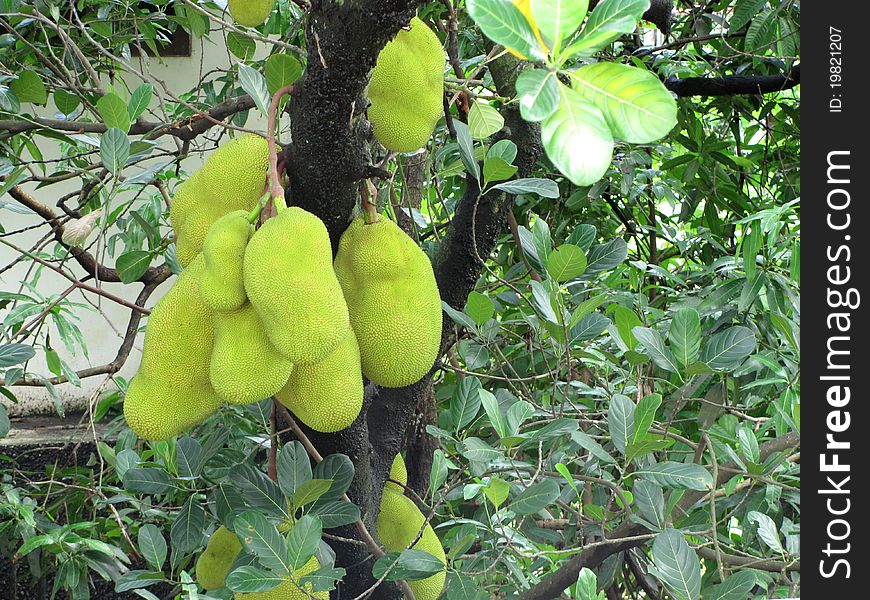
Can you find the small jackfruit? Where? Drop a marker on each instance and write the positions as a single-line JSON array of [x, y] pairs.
[[245, 367], [399, 522], [398, 472], [406, 89], [222, 287], [251, 13], [289, 590], [327, 396], [214, 563], [393, 299], [233, 178], [171, 391], [289, 281], [525, 7]]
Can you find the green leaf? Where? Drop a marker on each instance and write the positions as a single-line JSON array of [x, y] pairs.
[[187, 530], [496, 491], [728, 349], [620, 420], [610, 20], [577, 138], [465, 403], [504, 24], [503, 149], [603, 257], [146, 481], [114, 150], [28, 87], [187, 455], [310, 491], [587, 442], [636, 105], [737, 587], [113, 111], [646, 446], [411, 565], [281, 70], [587, 586], [294, 468], [538, 94], [566, 262], [255, 85], [649, 499], [338, 468], [496, 169], [323, 579], [466, 149], [137, 579], [476, 450], [259, 491], [459, 317], [545, 188], [335, 513], [139, 100], [559, 19], [493, 411], [479, 307], [767, 530], [654, 345], [15, 354], [536, 497], [304, 540], [676, 565], [262, 539], [5, 424], [152, 546], [65, 101], [676, 475], [484, 120], [685, 336], [438, 474], [644, 415], [241, 45], [744, 11], [251, 579], [132, 265]]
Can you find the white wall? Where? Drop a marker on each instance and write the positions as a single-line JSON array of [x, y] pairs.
[[103, 327]]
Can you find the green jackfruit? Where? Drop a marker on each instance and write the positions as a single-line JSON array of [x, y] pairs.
[[171, 391], [251, 13], [398, 524], [245, 367], [214, 563], [398, 472], [327, 396], [289, 590], [406, 89], [222, 287], [393, 299], [233, 178], [289, 281]]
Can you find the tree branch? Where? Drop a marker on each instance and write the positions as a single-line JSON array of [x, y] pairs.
[[734, 84]]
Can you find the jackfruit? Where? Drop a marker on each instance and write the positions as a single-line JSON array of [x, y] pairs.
[[406, 89], [399, 522], [289, 281], [289, 590], [233, 178], [251, 13], [222, 286], [398, 472], [393, 299], [171, 391], [245, 367], [525, 7], [214, 563], [327, 396]]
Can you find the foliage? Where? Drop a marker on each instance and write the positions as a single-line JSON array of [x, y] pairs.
[[626, 367]]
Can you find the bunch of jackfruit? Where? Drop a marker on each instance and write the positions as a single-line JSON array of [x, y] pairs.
[[261, 312], [406, 89]]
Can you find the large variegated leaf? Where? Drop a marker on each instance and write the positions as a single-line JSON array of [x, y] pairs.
[[557, 19], [636, 105], [503, 23], [577, 138], [609, 20]]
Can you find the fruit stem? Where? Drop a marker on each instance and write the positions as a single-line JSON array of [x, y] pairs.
[[370, 209], [275, 187], [261, 204]]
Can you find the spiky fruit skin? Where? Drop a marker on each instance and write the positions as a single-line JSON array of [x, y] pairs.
[[398, 523], [222, 287], [251, 13], [398, 472], [214, 563], [289, 590], [245, 367], [393, 299], [171, 391], [327, 396], [289, 281], [231, 179], [406, 89]]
